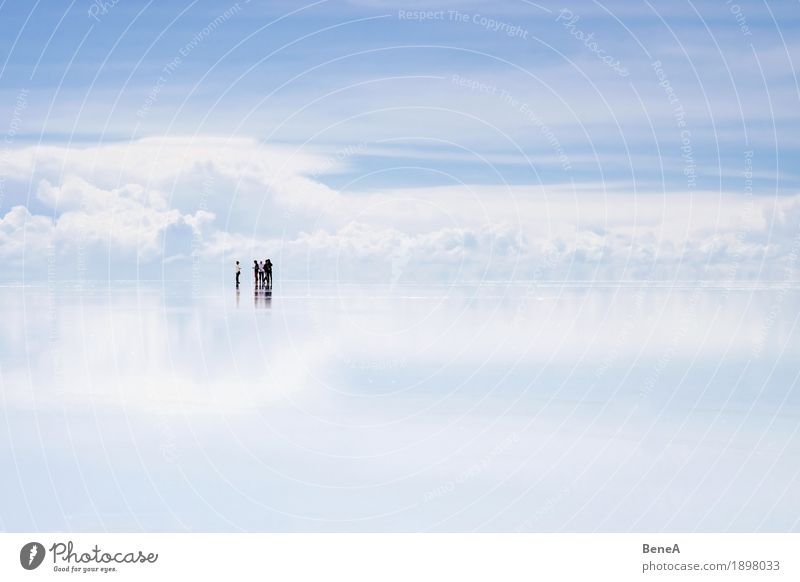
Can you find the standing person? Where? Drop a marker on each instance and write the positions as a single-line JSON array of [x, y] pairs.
[[238, 272], [261, 273], [268, 267], [255, 272]]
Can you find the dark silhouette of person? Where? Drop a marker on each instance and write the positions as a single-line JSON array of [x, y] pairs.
[[268, 269], [255, 272], [238, 272]]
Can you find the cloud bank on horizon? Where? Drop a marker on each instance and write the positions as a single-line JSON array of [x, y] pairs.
[[393, 142]]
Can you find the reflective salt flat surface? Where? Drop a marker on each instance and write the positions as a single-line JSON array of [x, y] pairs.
[[336, 407]]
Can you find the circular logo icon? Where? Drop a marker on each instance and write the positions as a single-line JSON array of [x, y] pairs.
[[31, 555]]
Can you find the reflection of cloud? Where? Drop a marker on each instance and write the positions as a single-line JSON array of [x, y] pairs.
[[133, 350], [361, 393], [201, 357]]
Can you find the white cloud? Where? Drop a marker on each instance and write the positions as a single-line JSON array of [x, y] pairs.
[[157, 201]]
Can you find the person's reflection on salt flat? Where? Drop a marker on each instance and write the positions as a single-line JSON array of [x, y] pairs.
[[262, 298]]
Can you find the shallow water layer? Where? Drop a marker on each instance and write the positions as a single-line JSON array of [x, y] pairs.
[[332, 407]]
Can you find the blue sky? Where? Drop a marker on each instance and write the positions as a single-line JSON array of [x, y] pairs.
[[501, 140]]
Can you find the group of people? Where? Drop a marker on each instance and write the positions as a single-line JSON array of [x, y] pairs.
[[262, 273]]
